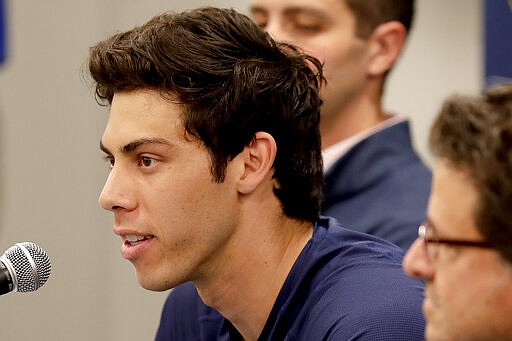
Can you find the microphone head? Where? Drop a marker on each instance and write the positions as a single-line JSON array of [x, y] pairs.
[[29, 265]]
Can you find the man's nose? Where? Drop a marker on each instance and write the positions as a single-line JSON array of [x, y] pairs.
[[117, 191], [416, 262]]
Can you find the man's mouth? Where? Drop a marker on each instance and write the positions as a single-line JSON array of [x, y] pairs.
[[132, 239]]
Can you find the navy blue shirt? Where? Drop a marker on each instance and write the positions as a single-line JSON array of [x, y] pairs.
[[344, 285]]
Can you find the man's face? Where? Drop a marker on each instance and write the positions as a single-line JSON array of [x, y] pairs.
[[162, 194], [326, 30], [468, 292]]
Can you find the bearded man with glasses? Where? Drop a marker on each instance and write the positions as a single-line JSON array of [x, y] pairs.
[[464, 249]]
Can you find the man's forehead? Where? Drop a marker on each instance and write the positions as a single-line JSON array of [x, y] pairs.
[[453, 200], [333, 9], [296, 3], [143, 115]]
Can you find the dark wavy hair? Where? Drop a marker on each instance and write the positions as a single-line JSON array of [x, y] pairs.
[[475, 135], [233, 81]]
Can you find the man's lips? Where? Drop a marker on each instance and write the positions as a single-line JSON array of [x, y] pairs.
[[134, 243], [134, 239], [429, 303], [131, 235]]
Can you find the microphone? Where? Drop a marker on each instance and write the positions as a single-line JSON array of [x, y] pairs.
[[24, 267]]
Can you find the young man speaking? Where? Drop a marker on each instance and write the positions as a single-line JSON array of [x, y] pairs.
[[215, 186]]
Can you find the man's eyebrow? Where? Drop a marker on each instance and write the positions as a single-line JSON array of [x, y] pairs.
[[257, 9], [104, 149], [130, 147], [304, 10]]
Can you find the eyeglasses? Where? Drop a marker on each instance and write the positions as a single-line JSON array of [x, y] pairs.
[[432, 243]]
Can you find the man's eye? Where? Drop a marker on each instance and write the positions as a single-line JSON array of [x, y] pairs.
[[307, 27], [146, 161], [260, 20], [261, 24]]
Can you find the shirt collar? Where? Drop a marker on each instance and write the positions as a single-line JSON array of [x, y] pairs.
[[333, 153]]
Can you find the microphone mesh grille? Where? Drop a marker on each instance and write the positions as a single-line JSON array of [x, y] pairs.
[[27, 279]]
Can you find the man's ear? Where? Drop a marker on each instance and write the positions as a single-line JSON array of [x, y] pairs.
[[386, 43], [258, 161]]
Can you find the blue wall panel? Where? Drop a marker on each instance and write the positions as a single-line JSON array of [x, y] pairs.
[[498, 41], [3, 36]]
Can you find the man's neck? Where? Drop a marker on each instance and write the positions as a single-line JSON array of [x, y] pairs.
[[359, 115], [254, 272]]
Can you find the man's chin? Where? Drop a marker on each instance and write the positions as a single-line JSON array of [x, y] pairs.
[[437, 328], [154, 284], [148, 283]]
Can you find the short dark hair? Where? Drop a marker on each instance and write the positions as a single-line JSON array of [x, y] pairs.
[[371, 13], [475, 135], [233, 81]]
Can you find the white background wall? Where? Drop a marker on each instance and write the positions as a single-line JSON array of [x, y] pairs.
[[52, 171]]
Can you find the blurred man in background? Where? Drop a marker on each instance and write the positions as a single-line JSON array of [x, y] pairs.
[[375, 181], [464, 249]]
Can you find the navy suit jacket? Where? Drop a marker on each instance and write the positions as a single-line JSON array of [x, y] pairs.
[[380, 187]]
